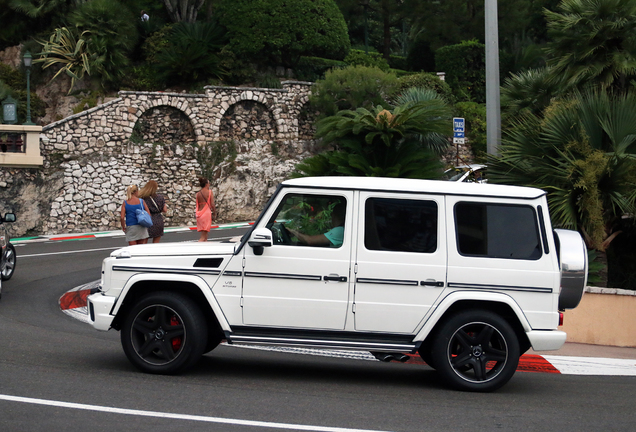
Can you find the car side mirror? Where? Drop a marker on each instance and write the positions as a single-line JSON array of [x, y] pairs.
[[260, 239], [8, 217]]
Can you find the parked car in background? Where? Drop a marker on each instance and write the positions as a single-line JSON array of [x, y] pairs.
[[7, 257], [473, 173]]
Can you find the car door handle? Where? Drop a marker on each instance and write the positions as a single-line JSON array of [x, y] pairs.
[[334, 278], [432, 282]]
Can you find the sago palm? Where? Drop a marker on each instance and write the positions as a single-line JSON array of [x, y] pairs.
[[379, 142]]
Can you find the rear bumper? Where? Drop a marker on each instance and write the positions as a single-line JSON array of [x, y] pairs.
[[99, 307], [546, 340]]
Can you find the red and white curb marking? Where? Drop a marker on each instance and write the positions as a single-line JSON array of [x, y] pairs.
[[73, 303], [119, 233]]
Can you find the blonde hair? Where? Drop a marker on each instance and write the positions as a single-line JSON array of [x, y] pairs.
[[150, 189], [131, 190]]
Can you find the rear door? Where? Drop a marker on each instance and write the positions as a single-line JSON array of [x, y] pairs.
[[400, 266]]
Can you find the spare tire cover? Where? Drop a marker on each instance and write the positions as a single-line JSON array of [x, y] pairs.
[[573, 261]]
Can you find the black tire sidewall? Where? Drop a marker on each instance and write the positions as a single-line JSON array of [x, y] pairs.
[[193, 321], [15, 262], [440, 358]]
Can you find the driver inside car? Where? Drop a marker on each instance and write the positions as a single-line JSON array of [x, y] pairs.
[[333, 237]]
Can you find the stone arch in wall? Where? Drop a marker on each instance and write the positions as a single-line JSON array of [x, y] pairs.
[[248, 120], [165, 126]]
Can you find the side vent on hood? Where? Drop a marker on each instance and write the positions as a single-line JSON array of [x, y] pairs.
[[208, 262]]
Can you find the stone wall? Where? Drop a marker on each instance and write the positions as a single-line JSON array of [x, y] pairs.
[[246, 140]]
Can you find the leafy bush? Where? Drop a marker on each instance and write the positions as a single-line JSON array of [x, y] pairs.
[[314, 68], [190, 53], [237, 70], [398, 62], [425, 80], [112, 35], [465, 67], [475, 116], [271, 31], [351, 88], [361, 58]]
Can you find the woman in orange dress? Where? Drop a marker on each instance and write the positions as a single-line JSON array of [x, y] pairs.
[[206, 211]]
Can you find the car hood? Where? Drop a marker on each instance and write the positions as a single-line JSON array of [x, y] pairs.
[[176, 249]]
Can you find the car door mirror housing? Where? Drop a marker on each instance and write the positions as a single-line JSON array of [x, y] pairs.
[[260, 239]]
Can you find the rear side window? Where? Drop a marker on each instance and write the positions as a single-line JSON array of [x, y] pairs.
[[400, 225], [497, 231]]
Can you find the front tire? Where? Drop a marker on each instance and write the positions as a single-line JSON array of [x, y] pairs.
[[476, 351], [164, 333], [8, 267]]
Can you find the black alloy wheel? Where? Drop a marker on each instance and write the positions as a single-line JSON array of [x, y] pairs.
[[164, 333], [8, 266], [476, 351]]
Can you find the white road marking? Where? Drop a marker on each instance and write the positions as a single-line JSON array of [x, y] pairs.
[[189, 417], [593, 365]]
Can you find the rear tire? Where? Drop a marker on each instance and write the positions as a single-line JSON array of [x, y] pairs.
[[476, 351], [164, 333]]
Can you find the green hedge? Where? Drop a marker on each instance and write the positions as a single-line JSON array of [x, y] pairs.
[[465, 68], [314, 68], [426, 80]]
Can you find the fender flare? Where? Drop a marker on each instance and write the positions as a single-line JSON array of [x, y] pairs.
[[192, 279], [452, 298]]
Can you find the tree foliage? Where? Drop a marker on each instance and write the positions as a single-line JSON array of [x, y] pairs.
[[583, 153], [183, 10], [593, 41], [112, 36], [190, 53], [281, 32]]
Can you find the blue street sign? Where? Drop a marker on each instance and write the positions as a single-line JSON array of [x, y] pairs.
[[458, 124]]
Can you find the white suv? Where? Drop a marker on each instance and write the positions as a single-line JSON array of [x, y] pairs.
[[468, 275]]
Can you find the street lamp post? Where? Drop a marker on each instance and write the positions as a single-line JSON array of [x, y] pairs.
[[493, 104], [27, 64]]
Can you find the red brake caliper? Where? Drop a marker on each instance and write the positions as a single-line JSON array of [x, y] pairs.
[[176, 342]]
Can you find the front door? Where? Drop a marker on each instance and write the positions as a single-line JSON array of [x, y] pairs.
[[400, 262], [302, 281]]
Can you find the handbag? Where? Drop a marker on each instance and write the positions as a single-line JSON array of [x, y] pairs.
[[143, 218]]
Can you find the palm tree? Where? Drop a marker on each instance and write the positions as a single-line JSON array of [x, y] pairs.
[[593, 40], [583, 153], [379, 142]]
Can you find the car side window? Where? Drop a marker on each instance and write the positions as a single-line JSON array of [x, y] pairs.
[[400, 225], [309, 220], [497, 231]]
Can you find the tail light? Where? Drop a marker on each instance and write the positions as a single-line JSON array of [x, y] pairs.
[[560, 319]]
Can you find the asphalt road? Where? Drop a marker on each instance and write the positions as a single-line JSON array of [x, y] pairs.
[[58, 374]]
